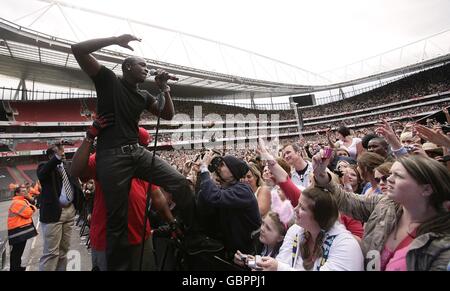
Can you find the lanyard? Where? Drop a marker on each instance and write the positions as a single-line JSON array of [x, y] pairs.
[[294, 250]]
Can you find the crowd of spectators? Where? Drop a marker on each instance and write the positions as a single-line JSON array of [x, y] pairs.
[[416, 85], [404, 113], [318, 202]]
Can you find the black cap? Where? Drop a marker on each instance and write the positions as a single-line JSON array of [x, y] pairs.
[[237, 167]]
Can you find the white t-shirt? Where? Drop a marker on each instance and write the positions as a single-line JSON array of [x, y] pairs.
[[352, 150], [344, 254]]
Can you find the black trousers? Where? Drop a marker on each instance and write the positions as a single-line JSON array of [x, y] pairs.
[[115, 169], [15, 259]]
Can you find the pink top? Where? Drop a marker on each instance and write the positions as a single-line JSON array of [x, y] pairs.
[[396, 260]]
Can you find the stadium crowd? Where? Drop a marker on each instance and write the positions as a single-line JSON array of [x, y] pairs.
[[373, 198], [408, 88]]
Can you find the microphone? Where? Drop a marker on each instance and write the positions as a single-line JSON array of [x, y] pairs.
[[154, 72]]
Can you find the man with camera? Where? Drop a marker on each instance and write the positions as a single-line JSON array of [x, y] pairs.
[[60, 197], [235, 206]]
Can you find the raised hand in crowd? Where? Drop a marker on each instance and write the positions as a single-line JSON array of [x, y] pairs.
[[384, 129], [433, 135], [417, 150], [262, 151], [320, 163], [207, 158]]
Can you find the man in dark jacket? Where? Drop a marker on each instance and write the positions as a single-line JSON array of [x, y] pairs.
[[59, 200], [235, 204]]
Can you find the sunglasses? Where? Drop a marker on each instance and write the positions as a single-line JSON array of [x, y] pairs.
[[383, 178]]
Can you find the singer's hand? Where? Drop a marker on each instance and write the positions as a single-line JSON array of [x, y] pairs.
[[124, 39], [161, 78]]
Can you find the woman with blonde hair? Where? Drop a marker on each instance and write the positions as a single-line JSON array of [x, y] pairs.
[[254, 179], [351, 179]]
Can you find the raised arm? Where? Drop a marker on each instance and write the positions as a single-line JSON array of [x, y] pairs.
[[282, 179], [433, 135], [82, 51], [357, 206], [277, 171], [80, 159]]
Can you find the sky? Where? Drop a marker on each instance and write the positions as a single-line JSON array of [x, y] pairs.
[[317, 36]]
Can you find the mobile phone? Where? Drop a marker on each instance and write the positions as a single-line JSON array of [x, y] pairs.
[[243, 258], [327, 151], [252, 265], [410, 148]]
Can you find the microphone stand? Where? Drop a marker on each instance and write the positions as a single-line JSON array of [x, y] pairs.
[[147, 204]]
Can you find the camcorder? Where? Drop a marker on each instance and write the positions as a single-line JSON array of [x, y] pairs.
[[64, 142], [446, 128], [253, 264], [338, 172], [215, 162], [410, 148]]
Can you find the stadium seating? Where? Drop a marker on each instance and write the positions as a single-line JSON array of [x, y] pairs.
[[47, 111], [6, 178], [29, 146], [28, 172]]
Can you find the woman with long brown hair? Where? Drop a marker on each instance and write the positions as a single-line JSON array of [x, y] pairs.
[[317, 241], [408, 228]]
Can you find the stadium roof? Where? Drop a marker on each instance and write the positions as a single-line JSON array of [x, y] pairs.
[[45, 57]]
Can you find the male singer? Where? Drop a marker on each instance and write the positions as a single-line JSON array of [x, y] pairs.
[[119, 156]]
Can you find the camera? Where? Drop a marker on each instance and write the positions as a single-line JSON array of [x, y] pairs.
[[252, 264], [446, 128], [64, 142], [338, 172], [410, 148], [215, 163], [243, 258]]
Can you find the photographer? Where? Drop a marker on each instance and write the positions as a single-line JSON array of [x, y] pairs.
[[60, 198], [235, 205]]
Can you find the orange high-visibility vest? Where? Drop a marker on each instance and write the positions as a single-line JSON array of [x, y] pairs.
[[20, 212]]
